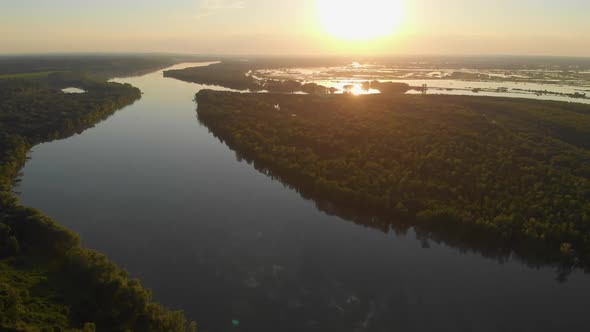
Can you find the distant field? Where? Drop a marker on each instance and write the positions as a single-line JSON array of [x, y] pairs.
[[26, 75]]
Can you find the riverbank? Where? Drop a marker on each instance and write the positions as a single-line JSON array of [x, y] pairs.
[[155, 191], [47, 280], [467, 169]]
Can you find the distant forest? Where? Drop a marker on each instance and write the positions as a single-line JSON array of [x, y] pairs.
[[235, 74], [98, 66], [47, 281], [489, 174]]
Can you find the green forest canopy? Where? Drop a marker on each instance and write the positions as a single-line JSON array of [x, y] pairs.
[[515, 170], [102, 66], [47, 281]]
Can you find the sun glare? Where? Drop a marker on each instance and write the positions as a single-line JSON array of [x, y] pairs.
[[360, 19]]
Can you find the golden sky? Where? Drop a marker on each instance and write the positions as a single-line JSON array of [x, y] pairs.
[[525, 27]]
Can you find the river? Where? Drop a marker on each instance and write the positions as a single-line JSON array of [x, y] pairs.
[[238, 251]]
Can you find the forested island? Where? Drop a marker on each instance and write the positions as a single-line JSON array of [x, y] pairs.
[[48, 282], [496, 175], [237, 75]]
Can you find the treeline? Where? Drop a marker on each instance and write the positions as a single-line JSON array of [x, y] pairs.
[[39, 111], [495, 175], [229, 74], [47, 281], [237, 75], [387, 87], [100, 65]]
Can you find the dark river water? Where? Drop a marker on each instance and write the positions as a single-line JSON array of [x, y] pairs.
[[238, 251]]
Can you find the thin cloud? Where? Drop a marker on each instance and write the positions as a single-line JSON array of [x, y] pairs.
[[209, 7]]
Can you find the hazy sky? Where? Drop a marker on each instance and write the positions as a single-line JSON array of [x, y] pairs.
[[535, 27]]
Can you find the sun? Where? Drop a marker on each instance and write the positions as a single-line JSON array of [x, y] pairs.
[[360, 19]]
